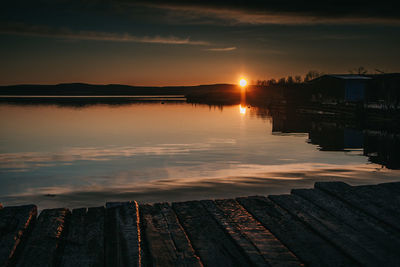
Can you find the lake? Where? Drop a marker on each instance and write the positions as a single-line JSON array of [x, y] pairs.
[[86, 155]]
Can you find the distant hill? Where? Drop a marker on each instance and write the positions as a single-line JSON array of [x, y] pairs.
[[66, 89]]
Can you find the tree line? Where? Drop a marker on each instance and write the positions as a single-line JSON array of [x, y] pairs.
[[310, 75]]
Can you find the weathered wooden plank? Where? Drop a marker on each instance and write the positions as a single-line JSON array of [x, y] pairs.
[[211, 243], [258, 243], [364, 224], [122, 235], [346, 193], [42, 248], [382, 197], [308, 246], [348, 239], [84, 243], [15, 224], [167, 242]]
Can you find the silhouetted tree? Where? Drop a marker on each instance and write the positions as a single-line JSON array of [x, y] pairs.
[[289, 80], [312, 74], [261, 83], [282, 81], [271, 82], [360, 71]]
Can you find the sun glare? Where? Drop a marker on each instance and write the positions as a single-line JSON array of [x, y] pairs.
[[243, 82]]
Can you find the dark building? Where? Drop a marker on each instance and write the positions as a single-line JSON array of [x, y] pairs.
[[339, 88], [384, 91], [383, 148]]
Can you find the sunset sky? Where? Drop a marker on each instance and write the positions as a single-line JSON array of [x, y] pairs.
[[192, 42]]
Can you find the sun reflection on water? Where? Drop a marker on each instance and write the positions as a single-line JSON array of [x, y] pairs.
[[242, 109]]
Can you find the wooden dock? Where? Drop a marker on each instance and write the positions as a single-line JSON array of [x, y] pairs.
[[334, 224]]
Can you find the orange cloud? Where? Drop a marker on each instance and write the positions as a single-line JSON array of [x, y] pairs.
[[224, 49]]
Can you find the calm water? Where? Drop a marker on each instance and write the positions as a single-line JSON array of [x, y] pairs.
[[67, 156]]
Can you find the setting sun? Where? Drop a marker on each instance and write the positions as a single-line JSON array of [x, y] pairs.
[[243, 82]]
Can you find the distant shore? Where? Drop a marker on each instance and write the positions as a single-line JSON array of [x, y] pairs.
[[281, 97], [81, 89]]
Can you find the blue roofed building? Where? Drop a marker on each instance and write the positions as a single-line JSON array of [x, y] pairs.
[[339, 88]]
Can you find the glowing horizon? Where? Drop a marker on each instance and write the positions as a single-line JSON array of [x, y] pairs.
[[154, 45]]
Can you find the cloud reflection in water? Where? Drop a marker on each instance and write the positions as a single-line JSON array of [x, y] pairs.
[[28, 160], [262, 180], [56, 157]]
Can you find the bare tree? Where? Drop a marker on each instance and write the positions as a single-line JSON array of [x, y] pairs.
[[360, 71], [282, 81], [312, 74], [261, 83], [289, 80], [271, 82]]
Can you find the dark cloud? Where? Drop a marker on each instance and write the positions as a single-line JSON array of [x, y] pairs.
[[286, 12], [375, 9], [235, 12]]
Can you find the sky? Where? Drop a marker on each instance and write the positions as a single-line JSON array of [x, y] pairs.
[[192, 42]]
